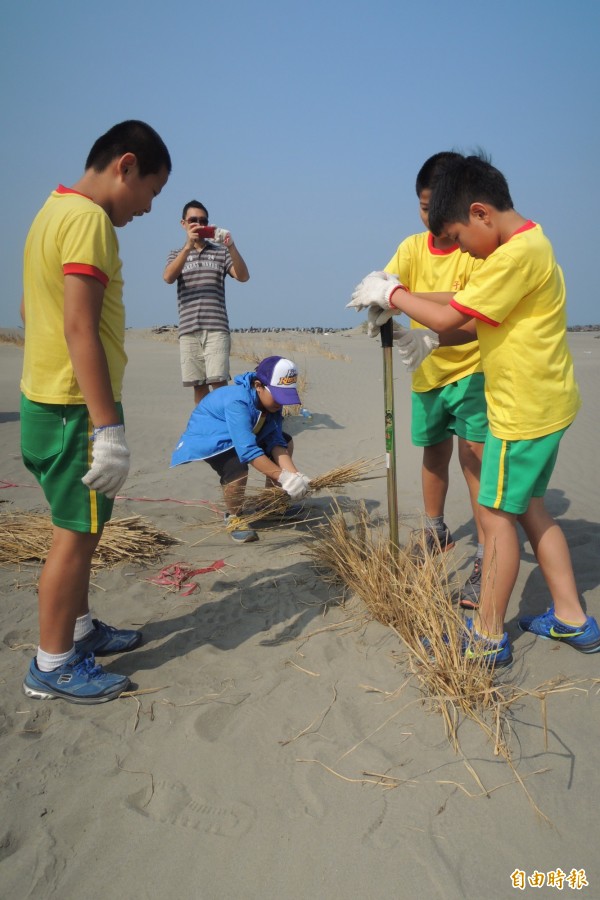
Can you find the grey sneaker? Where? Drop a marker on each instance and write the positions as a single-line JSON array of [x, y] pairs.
[[430, 542], [238, 534], [470, 591], [438, 541]]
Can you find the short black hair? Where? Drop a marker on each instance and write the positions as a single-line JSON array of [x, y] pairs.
[[194, 204], [461, 182], [131, 136], [431, 167]]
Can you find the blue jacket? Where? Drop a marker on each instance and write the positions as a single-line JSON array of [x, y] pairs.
[[225, 418]]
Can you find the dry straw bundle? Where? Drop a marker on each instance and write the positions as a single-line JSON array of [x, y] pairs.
[[410, 592], [272, 502], [26, 537]]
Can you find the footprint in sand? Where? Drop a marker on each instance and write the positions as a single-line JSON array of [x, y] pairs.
[[171, 804], [8, 845], [20, 640]]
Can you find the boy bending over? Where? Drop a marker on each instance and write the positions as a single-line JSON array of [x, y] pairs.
[[241, 424]]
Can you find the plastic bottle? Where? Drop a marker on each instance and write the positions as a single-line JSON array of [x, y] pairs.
[[305, 413]]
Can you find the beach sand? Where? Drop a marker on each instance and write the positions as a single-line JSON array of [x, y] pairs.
[[250, 767]]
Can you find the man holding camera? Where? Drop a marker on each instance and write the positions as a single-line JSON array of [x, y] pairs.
[[199, 268]]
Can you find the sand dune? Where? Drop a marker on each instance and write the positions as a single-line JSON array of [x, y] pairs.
[[247, 765]]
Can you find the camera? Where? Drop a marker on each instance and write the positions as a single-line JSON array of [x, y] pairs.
[[206, 231]]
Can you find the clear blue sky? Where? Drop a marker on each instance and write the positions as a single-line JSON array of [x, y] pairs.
[[301, 126]]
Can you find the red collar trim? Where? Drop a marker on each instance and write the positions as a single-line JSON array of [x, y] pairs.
[[436, 250], [61, 189], [526, 227]]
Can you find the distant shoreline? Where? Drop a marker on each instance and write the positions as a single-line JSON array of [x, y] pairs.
[[315, 329], [15, 335]]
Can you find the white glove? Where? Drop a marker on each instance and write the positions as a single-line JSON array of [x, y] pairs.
[[414, 345], [110, 461], [374, 290], [294, 484], [222, 236], [376, 318]]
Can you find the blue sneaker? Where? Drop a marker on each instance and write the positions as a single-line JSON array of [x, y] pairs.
[[585, 638], [78, 681], [496, 654], [238, 534], [104, 639]]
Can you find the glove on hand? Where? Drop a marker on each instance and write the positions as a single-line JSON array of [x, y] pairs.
[[294, 484], [376, 318], [110, 461], [414, 345], [374, 290], [222, 236]]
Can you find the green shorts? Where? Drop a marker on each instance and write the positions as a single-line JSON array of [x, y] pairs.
[[56, 448], [512, 472], [458, 408]]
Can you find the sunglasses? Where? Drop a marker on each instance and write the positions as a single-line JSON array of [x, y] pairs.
[[197, 220]]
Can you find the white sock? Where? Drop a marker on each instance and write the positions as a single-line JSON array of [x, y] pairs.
[[47, 662], [479, 554], [83, 626], [435, 522]]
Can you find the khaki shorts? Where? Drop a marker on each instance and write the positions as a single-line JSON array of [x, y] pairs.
[[204, 357]]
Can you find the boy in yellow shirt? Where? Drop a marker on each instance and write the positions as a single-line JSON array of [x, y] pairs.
[[448, 396], [517, 299], [72, 432]]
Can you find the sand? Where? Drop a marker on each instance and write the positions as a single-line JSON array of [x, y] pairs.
[[248, 764]]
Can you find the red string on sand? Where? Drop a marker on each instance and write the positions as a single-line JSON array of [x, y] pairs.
[[209, 503], [8, 484], [170, 500], [178, 576]]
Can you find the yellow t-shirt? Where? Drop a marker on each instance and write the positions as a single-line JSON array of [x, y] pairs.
[[70, 235], [423, 268], [518, 298]]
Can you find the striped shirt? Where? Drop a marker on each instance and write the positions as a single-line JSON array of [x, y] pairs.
[[201, 289]]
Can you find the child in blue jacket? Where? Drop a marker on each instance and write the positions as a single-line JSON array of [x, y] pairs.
[[241, 425]]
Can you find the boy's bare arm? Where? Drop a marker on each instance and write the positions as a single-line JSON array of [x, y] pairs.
[[84, 296], [460, 335], [377, 290], [266, 467], [463, 335], [433, 313], [284, 471], [441, 297], [282, 457], [273, 470]]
